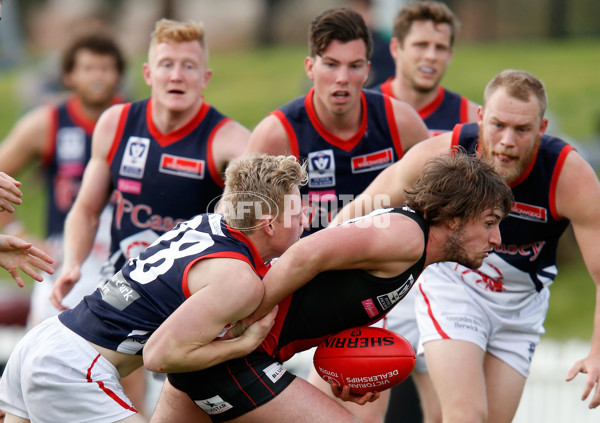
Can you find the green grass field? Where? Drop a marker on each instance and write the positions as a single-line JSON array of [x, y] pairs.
[[246, 85]]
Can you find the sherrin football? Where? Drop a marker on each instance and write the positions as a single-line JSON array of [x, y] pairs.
[[365, 358]]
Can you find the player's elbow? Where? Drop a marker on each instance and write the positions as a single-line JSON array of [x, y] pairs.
[[158, 358]]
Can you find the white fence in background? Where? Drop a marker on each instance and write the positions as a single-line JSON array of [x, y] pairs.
[[547, 397]]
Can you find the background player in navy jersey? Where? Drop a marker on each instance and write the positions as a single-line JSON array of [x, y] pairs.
[[479, 329], [423, 37], [68, 367], [327, 282], [163, 157], [347, 134], [58, 138]]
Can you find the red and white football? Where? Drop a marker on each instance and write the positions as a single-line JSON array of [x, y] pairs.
[[365, 358]]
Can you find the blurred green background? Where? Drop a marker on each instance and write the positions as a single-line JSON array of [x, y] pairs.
[[247, 84]]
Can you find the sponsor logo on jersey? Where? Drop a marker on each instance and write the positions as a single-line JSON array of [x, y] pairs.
[[117, 292], [129, 186], [321, 169], [182, 166], [214, 405], [531, 250], [370, 308], [372, 161], [528, 212], [134, 158], [70, 145], [274, 372], [388, 300]]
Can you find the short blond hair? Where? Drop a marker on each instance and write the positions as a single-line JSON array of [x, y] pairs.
[[262, 180], [518, 84], [170, 31]]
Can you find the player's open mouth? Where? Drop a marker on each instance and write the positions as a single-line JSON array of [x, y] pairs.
[[427, 69], [176, 92]]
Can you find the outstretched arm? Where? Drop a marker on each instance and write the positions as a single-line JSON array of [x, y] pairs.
[[578, 199], [16, 254]]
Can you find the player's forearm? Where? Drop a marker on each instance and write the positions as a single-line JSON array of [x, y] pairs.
[[79, 234]]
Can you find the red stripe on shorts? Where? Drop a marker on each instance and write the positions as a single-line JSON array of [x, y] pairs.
[[239, 386], [259, 378], [106, 390], [435, 322]]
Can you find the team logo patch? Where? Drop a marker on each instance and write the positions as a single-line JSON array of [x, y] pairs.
[[134, 158], [274, 372], [528, 212], [388, 300], [182, 166], [321, 169], [372, 161], [214, 405]]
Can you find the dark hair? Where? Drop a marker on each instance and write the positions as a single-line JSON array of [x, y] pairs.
[[433, 11], [338, 24], [458, 185], [96, 43]]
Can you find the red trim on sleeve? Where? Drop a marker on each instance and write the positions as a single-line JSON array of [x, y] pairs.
[[174, 136], [107, 391], [50, 144], [386, 87], [391, 120], [345, 145], [118, 133], [464, 110], [287, 126], [455, 136], [424, 112], [212, 167], [260, 267], [554, 182], [222, 254], [430, 312]]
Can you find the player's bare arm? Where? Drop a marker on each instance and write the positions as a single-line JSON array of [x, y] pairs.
[[578, 199], [342, 247], [269, 137], [223, 291], [387, 189], [411, 127], [82, 221], [231, 140]]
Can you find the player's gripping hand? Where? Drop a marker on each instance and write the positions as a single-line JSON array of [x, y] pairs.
[[343, 393], [590, 366], [63, 285], [18, 255]]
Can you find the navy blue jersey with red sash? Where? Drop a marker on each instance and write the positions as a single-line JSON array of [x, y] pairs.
[[160, 179], [446, 110], [339, 299], [66, 153], [339, 170], [123, 312], [531, 231]]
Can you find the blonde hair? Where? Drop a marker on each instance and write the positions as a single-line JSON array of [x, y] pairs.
[[518, 84], [170, 31], [263, 181]]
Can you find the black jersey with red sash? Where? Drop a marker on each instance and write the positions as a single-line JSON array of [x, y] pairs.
[[446, 110], [339, 170], [160, 179], [337, 300], [532, 229], [122, 313]]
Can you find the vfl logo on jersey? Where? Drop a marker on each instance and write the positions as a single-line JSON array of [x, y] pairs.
[[70, 145], [321, 169], [388, 300], [214, 405], [182, 166], [134, 159], [372, 161], [528, 212]]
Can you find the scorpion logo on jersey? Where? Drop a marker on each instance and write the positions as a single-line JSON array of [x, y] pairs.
[[489, 283]]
